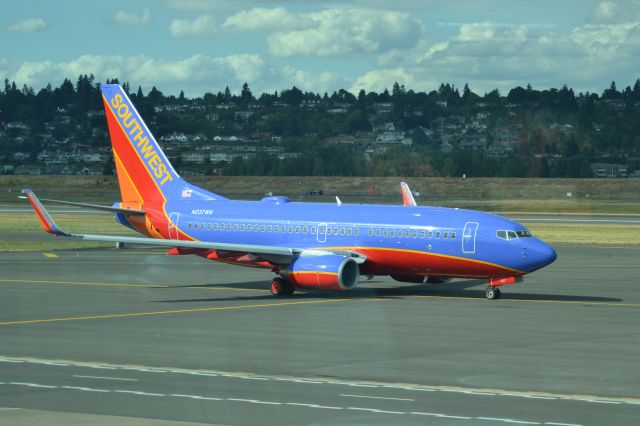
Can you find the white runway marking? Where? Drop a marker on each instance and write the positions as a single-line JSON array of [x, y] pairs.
[[298, 404], [497, 419], [206, 398], [81, 388], [32, 385], [376, 397], [140, 393], [314, 380], [441, 415], [105, 378], [375, 410]]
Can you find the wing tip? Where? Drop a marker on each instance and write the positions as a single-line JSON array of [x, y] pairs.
[[46, 221]]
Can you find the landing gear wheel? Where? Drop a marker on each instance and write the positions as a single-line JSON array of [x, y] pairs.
[[281, 287], [493, 293]]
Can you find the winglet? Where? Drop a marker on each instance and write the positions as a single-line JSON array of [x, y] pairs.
[[47, 223], [407, 196]]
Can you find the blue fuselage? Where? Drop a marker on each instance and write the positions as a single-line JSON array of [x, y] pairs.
[[391, 236]]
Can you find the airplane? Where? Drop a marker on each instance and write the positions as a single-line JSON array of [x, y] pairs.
[[309, 246]]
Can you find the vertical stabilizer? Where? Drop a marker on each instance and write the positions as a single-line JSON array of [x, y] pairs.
[[144, 172]]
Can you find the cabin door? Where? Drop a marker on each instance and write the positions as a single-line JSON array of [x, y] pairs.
[[469, 237], [321, 236], [173, 225]]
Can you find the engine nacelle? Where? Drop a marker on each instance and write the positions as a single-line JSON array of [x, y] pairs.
[[323, 271]]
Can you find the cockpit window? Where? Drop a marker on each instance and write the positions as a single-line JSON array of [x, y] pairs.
[[512, 235]]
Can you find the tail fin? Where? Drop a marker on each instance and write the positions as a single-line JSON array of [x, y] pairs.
[[144, 172], [407, 195]]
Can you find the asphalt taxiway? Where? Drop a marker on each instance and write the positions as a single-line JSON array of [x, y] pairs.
[[92, 334]]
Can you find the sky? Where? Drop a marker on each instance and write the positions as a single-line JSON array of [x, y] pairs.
[[320, 46]]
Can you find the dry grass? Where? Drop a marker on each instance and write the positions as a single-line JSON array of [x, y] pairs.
[[587, 233]]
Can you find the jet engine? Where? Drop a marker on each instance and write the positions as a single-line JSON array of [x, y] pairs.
[[323, 271]]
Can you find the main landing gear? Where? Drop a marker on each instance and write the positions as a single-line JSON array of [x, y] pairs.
[[281, 287], [493, 292]]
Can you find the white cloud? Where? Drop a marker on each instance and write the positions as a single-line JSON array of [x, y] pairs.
[[132, 19], [202, 26], [262, 19], [338, 32], [324, 82], [28, 25], [379, 80], [195, 74], [609, 12]]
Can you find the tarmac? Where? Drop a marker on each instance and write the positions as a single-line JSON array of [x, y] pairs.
[[131, 336]]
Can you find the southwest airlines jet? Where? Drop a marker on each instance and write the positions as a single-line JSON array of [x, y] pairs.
[[306, 245]]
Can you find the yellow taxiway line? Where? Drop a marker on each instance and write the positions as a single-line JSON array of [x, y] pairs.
[[178, 311], [45, 282]]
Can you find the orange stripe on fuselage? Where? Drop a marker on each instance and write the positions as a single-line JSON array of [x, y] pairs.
[[412, 262]]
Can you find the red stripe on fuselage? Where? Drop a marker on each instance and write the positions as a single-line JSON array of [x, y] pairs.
[[393, 261]]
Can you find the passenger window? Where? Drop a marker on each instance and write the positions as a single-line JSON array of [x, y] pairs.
[[414, 234], [328, 231], [297, 229], [421, 234], [335, 231], [276, 228], [392, 233], [305, 229], [445, 235], [208, 227], [235, 227], [430, 235], [370, 231], [269, 228], [256, 228], [385, 233], [356, 232], [453, 235], [249, 227], [291, 229], [189, 225], [262, 228], [378, 232], [313, 229], [437, 235], [349, 231], [215, 226], [228, 227]]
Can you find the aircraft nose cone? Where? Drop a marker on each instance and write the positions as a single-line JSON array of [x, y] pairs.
[[540, 255]]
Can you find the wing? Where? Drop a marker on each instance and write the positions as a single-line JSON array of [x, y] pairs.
[[273, 254], [89, 206]]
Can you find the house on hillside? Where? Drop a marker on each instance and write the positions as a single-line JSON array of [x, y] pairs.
[[606, 170]]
